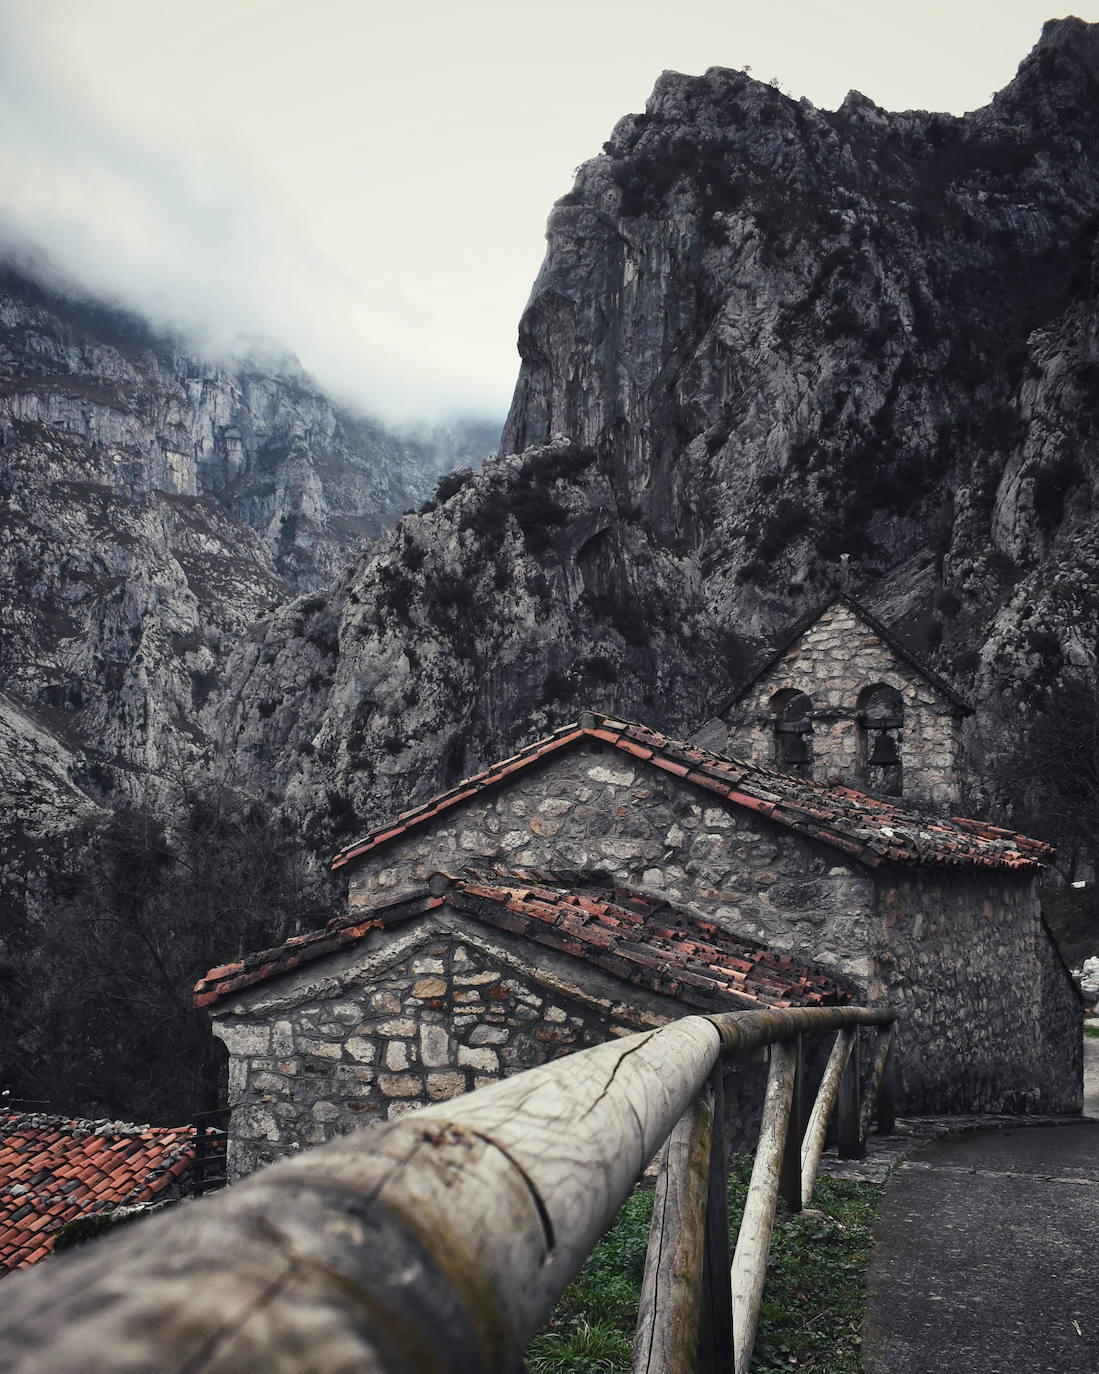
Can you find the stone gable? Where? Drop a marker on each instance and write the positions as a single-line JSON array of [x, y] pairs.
[[600, 813], [835, 663]]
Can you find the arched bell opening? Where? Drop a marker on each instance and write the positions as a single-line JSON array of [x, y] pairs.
[[881, 728], [793, 715]]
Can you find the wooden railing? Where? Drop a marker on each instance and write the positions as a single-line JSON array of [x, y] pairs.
[[442, 1241]]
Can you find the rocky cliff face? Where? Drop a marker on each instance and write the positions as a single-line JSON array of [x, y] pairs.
[[765, 336], [154, 504]]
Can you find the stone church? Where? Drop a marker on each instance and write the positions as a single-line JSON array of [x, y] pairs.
[[606, 879]]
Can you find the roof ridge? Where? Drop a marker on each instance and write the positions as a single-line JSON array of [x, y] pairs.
[[863, 826], [613, 928]]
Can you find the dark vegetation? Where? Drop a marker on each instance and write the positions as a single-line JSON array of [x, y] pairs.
[[812, 1304], [96, 983]]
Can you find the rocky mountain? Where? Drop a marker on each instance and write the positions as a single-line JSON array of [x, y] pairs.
[[154, 503], [771, 348], [765, 337]]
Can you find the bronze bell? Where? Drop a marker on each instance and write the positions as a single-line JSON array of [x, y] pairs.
[[795, 749], [885, 752]]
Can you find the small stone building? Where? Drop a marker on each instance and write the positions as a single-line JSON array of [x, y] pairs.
[[843, 698], [607, 878], [456, 983]]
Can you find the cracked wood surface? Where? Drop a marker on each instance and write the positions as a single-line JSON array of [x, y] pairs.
[[439, 1242], [666, 1339]]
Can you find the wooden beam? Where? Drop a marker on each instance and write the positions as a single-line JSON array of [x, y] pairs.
[[813, 1145], [666, 1337], [715, 1328], [887, 1088], [789, 1185], [849, 1125], [754, 1238], [881, 1058]]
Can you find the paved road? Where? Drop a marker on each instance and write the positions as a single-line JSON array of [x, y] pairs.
[[987, 1258]]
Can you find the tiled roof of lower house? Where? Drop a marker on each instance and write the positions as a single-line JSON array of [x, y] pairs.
[[54, 1169], [642, 941], [871, 829]]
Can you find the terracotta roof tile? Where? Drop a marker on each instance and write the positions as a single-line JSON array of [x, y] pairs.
[[870, 829], [54, 1169], [642, 941]]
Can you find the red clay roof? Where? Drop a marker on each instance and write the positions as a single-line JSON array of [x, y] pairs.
[[644, 942], [870, 829], [54, 1169]]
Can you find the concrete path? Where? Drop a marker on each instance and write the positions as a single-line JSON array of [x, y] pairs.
[[987, 1254]]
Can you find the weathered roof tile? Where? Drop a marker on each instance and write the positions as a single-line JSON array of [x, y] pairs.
[[623, 933], [70, 1167], [876, 829]]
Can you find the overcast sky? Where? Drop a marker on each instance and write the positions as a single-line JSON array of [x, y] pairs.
[[369, 182]]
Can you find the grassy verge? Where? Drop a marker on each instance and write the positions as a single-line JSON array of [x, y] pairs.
[[1093, 1031], [812, 1304]]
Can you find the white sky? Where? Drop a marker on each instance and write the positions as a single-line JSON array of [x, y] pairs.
[[368, 181]]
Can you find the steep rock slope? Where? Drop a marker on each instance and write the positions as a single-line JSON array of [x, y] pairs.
[[764, 337], [153, 505], [311, 478]]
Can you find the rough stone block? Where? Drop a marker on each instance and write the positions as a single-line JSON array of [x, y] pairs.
[[400, 1084], [385, 1001], [361, 1050], [441, 1086], [428, 965], [429, 987], [245, 1039], [396, 1055], [434, 1046], [323, 1049], [398, 1109], [484, 1059]]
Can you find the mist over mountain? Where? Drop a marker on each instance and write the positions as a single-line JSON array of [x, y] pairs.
[[770, 347]]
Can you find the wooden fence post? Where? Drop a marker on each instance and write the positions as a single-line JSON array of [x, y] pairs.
[[789, 1185], [813, 1144], [887, 1086], [848, 1126], [715, 1327], [666, 1336], [754, 1239]]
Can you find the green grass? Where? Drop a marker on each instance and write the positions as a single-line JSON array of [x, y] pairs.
[[1093, 1031], [812, 1303]]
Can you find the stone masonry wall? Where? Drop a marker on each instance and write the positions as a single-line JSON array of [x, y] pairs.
[[837, 657], [424, 1016], [961, 957], [1060, 1029], [421, 1018], [597, 811]]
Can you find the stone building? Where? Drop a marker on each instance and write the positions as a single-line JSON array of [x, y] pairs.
[[844, 698], [606, 878], [457, 982]]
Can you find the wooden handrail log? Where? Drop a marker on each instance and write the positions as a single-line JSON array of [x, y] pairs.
[[754, 1239], [437, 1242], [813, 1144], [666, 1338], [751, 1030]]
